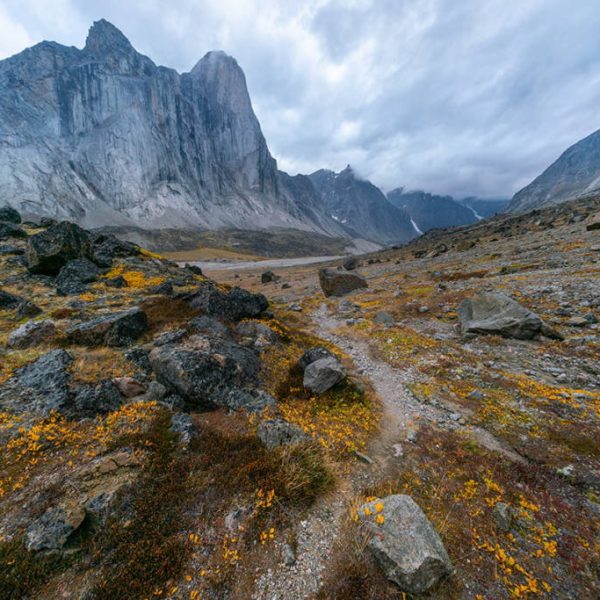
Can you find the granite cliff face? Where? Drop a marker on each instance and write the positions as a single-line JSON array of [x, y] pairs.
[[576, 173], [103, 136], [359, 204]]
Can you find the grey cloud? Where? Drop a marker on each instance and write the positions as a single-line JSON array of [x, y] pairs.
[[454, 97]]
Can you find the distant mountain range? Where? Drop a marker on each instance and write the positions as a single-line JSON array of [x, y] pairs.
[[105, 137], [576, 173], [429, 211], [359, 204]]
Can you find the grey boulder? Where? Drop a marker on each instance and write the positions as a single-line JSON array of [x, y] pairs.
[[496, 313], [340, 283], [404, 543], [321, 375]]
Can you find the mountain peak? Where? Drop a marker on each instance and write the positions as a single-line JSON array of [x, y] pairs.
[[105, 37]]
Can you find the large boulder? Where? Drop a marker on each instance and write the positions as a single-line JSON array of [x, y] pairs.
[[32, 333], [496, 313], [321, 375], [233, 305], [39, 387], [116, 329], [9, 214], [49, 250], [73, 277], [404, 543], [340, 283], [204, 377]]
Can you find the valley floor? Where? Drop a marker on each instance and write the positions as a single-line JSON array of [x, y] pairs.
[[496, 439]]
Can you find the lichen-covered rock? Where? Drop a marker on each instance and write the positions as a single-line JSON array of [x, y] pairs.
[[183, 426], [204, 377], [339, 283], [73, 277], [233, 305], [321, 375], [496, 313], [32, 333], [39, 387], [98, 399], [404, 543], [279, 432], [50, 250], [116, 329]]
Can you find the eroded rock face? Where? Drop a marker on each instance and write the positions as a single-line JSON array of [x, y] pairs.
[[115, 329], [322, 374], [50, 250], [496, 313], [340, 283], [404, 543]]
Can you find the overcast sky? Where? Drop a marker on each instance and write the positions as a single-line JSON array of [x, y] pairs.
[[451, 96]]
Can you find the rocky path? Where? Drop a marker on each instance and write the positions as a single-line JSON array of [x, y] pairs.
[[402, 416]]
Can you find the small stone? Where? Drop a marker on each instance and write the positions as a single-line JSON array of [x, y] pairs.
[[289, 555], [32, 333], [129, 387], [323, 374], [503, 516]]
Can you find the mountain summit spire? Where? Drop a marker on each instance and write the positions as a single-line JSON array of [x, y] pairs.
[[104, 36]]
